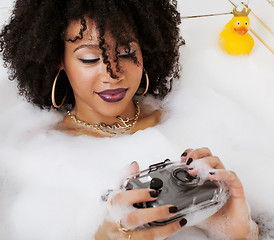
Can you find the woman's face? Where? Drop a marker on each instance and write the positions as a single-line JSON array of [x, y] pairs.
[[95, 91]]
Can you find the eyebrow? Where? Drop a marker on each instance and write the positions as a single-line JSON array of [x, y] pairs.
[[86, 46]]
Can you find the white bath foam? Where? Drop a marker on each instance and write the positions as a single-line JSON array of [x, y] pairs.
[[222, 102]]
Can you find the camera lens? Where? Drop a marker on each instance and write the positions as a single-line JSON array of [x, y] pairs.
[[183, 179]]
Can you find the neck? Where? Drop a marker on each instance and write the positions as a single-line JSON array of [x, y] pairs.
[[91, 116], [147, 118]]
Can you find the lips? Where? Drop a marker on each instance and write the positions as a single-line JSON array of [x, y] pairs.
[[113, 95]]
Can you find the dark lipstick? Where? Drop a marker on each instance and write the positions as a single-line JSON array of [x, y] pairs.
[[113, 95]]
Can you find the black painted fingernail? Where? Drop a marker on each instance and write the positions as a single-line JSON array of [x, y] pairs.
[[173, 209], [184, 154], [138, 205], [183, 222], [212, 173], [154, 194], [190, 168], [190, 160]]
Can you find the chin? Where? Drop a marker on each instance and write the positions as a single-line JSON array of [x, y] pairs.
[[113, 109]]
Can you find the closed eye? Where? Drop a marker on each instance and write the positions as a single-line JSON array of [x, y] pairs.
[[127, 55], [88, 61]]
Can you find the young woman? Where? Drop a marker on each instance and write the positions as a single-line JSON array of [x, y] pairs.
[[96, 59]]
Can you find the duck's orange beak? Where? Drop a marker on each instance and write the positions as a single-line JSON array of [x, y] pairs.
[[241, 30]]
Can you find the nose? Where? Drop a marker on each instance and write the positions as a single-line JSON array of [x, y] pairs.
[[112, 73]]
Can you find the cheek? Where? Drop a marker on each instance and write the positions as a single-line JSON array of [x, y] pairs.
[[135, 72], [81, 78], [135, 75]]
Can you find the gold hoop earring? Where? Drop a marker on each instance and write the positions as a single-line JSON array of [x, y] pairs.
[[53, 92], [147, 84]]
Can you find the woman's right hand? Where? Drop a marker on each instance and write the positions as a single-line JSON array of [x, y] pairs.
[[134, 218]]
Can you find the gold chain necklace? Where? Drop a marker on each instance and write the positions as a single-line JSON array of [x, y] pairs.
[[121, 127]]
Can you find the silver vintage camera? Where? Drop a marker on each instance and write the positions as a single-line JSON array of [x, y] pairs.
[[177, 187]]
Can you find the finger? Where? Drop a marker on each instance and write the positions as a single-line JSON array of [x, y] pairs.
[[184, 154], [197, 154], [231, 180], [159, 232], [131, 171], [128, 198], [143, 216], [212, 161], [134, 168]]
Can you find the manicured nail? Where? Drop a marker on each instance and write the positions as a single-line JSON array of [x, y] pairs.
[[190, 160], [184, 154], [154, 194], [173, 209], [190, 168], [212, 173], [183, 222], [138, 205]]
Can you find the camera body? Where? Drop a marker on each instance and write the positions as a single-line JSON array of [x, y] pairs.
[[177, 187]]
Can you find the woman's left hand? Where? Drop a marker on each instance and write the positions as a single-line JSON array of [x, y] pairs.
[[233, 219]]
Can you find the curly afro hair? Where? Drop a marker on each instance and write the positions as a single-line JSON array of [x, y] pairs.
[[32, 43]]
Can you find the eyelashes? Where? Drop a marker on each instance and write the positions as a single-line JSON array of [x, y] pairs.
[[129, 55], [89, 61]]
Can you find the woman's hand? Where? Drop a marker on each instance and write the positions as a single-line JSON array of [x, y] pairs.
[[233, 219], [128, 218]]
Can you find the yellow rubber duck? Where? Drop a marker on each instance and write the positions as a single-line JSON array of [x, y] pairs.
[[235, 39]]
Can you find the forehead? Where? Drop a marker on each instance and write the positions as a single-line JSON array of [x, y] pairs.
[[90, 32]]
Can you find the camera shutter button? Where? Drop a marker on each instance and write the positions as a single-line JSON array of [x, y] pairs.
[[156, 184]]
